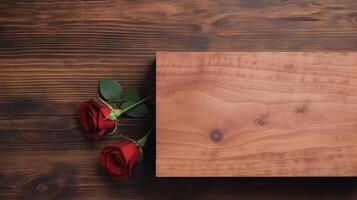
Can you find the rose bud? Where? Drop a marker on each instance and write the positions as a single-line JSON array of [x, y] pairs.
[[93, 116], [120, 159]]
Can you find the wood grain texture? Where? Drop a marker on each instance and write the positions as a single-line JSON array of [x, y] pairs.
[[256, 114], [53, 52]]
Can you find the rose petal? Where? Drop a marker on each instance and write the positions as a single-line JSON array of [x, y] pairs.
[[114, 168], [112, 160], [83, 113], [105, 124], [104, 109], [91, 124], [130, 152], [93, 110], [92, 117], [117, 158]]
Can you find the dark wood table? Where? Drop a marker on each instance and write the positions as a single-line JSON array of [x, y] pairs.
[[52, 54]]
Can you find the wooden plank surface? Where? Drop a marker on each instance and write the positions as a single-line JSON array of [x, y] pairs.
[[256, 114], [52, 54]]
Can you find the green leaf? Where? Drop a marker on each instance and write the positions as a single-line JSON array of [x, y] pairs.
[[139, 111], [143, 140], [132, 94], [110, 90]]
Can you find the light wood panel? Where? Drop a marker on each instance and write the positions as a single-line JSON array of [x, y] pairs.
[[256, 114]]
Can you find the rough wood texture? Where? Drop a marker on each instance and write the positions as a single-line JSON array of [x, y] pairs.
[[52, 54], [256, 114]]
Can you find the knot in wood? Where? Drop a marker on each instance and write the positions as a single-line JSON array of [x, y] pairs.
[[42, 184], [300, 109], [216, 135], [42, 187], [260, 122]]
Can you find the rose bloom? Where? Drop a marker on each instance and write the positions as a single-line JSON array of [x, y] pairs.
[[92, 115], [120, 159]]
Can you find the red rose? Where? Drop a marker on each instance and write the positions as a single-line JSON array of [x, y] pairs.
[[120, 159], [92, 115]]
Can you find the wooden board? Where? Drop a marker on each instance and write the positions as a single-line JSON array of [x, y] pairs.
[[256, 114]]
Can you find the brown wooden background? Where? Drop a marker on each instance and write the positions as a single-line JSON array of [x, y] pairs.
[[52, 54]]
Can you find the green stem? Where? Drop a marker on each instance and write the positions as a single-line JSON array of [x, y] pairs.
[[141, 142], [116, 113], [136, 104]]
